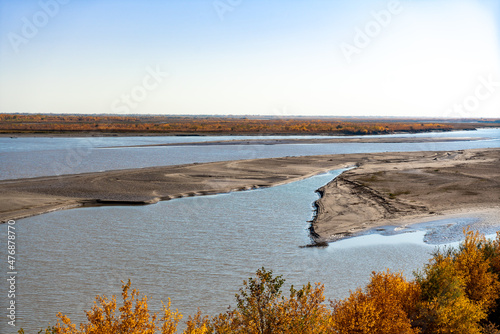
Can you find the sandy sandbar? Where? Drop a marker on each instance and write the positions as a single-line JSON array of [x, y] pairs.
[[295, 141], [384, 188], [27, 197], [401, 188]]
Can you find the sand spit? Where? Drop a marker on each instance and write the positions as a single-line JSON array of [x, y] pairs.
[[27, 197], [384, 189], [265, 141]]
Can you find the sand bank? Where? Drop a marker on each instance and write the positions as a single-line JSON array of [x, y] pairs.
[[401, 188], [284, 141], [27, 197], [385, 188]]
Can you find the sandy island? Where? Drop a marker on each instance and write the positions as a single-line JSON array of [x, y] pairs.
[[294, 141], [384, 188]]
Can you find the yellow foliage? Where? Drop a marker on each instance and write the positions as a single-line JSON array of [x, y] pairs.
[[169, 320], [445, 307], [133, 317], [456, 292], [459, 315], [481, 285], [356, 314], [304, 312], [386, 307], [224, 323], [263, 310], [198, 324]]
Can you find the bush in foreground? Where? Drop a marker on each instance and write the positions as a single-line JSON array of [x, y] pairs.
[[456, 292]]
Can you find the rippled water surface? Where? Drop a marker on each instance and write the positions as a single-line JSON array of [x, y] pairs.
[[197, 251], [31, 157]]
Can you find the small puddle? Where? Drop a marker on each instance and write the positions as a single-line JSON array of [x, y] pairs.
[[439, 231]]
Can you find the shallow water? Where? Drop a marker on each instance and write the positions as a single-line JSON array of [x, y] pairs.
[[32, 157]]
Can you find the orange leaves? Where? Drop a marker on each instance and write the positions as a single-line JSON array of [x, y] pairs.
[[198, 324], [396, 301], [385, 307], [455, 293], [459, 287], [178, 124], [356, 314], [262, 309], [445, 307], [169, 319], [64, 326], [133, 317], [481, 285], [305, 311]]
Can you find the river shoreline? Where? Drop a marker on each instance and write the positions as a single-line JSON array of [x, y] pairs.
[[21, 198], [403, 191], [295, 141], [83, 134], [385, 188]]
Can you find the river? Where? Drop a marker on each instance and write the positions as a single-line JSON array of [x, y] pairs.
[[198, 250]]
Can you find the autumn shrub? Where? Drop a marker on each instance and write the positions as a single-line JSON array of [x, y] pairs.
[[444, 306], [491, 251], [258, 302], [133, 317], [262, 309], [456, 292], [355, 314], [387, 306], [197, 324], [460, 286], [304, 311], [481, 282]]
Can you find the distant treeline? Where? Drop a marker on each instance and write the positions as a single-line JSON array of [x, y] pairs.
[[456, 292], [46, 123]]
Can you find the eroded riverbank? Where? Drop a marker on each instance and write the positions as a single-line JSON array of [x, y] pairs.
[[405, 187]]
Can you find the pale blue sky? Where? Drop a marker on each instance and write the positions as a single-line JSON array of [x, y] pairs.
[[421, 58]]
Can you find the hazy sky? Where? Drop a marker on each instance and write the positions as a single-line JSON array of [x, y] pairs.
[[310, 57]]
